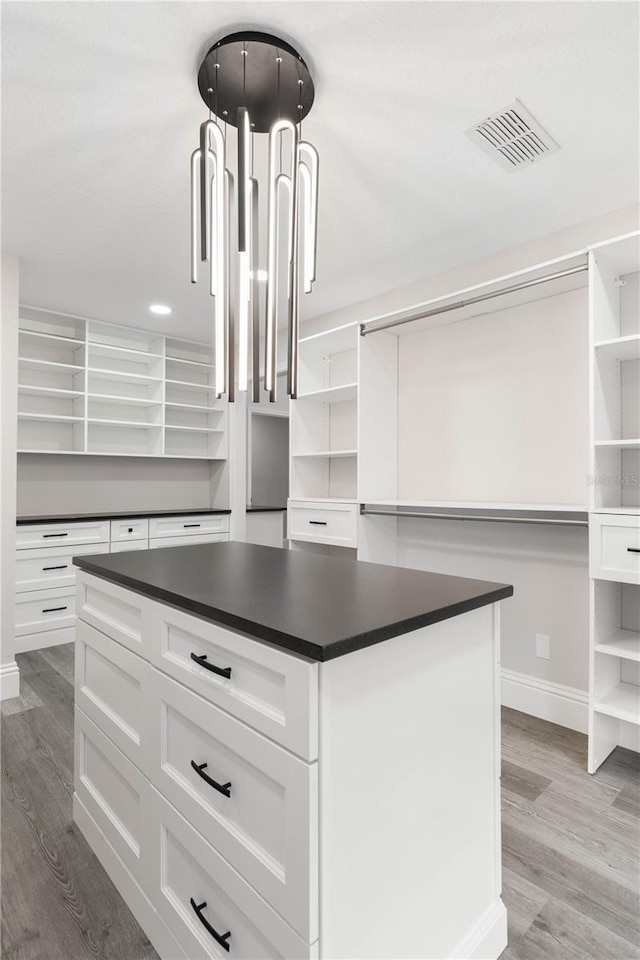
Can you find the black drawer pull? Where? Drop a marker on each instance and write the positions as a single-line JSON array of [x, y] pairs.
[[185, 525], [53, 609], [219, 938], [224, 788], [62, 566], [46, 536], [633, 549], [201, 659], [130, 530], [318, 523]]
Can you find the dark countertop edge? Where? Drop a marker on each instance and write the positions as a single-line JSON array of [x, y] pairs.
[[251, 509], [118, 515], [297, 645]]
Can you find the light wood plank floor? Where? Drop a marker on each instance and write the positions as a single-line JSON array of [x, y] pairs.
[[570, 841]]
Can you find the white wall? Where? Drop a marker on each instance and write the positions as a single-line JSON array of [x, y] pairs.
[[49, 484], [547, 566], [9, 676]]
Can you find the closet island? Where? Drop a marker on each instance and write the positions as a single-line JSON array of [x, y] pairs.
[[287, 755]]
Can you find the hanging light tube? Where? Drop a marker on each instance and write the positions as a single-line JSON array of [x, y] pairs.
[[308, 166]]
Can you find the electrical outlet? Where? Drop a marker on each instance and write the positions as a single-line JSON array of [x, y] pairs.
[[543, 647]]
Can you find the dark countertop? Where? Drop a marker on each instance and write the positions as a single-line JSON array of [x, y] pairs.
[[254, 509], [318, 606], [117, 515]]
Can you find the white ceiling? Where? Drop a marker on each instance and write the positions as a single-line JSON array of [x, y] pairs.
[[100, 112]]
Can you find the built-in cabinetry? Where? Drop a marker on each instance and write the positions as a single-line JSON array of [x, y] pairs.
[[614, 700], [323, 484], [45, 575], [231, 788], [87, 387]]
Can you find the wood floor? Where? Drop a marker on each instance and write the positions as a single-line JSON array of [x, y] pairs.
[[570, 841]]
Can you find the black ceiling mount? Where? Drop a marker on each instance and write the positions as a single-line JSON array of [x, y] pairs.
[[241, 70]]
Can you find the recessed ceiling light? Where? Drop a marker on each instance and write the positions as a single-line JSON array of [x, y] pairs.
[[159, 308]]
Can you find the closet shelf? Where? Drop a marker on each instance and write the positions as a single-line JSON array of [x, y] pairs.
[[209, 387], [568, 508], [49, 417], [326, 454], [622, 643], [336, 340], [120, 353], [51, 337], [53, 392], [138, 378], [185, 429], [193, 406], [621, 348], [124, 423], [190, 363], [49, 365], [623, 702], [125, 401], [339, 394], [618, 444], [627, 511]]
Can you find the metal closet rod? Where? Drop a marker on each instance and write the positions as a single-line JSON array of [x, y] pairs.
[[464, 516], [425, 314]]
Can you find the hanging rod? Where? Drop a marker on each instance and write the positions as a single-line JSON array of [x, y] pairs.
[[460, 516], [425, 314]]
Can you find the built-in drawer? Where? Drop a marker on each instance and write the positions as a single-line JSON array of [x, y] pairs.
[[188, 540], [113, 610], [333, 523], [137, 529], [120, 546], [49, 567], [31, 535], [185, 526], [614, 547], [114, 793], [112, 687], [254, 802], [272, 691], [210, 909], [42, 610]]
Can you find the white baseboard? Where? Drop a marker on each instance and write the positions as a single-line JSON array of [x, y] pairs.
[[9, 681], [566, 706], [488, 938]]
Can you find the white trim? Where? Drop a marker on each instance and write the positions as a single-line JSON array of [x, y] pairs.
[[566, 706], [9, 681], [487, 938]]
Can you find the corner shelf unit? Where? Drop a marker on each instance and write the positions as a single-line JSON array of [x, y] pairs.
[[614, 696], [94, 388]]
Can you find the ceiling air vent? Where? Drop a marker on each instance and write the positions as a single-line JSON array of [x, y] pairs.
[[513, 137]]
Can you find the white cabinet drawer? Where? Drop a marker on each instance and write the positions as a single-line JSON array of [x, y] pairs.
[[274, 692], [119, 546], [188, 525], [32, 535], [130, 529], [112, 687], [201, 898], [188, 541], [42, 610], [254, 802], [114, 793], [113, 610], [614, 547], [333, 523], [48, 567]]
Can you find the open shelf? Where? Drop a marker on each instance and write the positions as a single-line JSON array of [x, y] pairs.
[[193, 406], [50, 337], [124, 376], [335, 340], [620, 348], [113, 352], [52, 392], [179, 426], [190, 363], [633, 444], [126, 401], [143, 424], [326, 454], [340, 394], [622, 702], [49, 417], [187, 384], [54, 365], [622, 643]]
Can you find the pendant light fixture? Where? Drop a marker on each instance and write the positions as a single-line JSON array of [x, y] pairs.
[[258, 84]]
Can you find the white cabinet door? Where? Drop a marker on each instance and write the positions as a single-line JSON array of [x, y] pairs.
[[188, 525], [113, 610], [614, 547], [30, 535], [42, 610], [111, 685], [254, 802], [132, 529], [48, 567], [274, 692], [314, 521], [188, 541], [210, 909]]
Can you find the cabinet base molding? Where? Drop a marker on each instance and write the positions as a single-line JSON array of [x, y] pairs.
[[488, 938], [45, 638], [566, 706], [148, 918], [9, 681]]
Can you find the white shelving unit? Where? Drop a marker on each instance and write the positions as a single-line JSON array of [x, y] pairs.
[[88, 387], [614, 700], [324, 418]]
